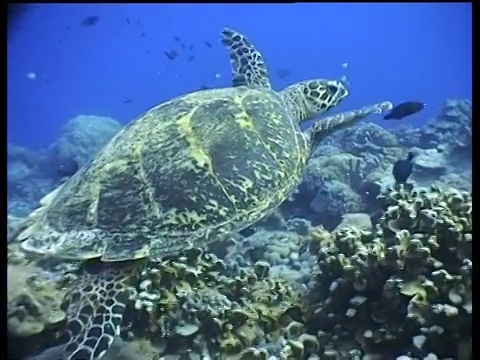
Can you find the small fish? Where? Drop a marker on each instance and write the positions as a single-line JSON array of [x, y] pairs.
[[171, 54], [143, 34], [127, 101], [183, 46], [90, 20], [404, 109], [67, 27], [190, 58], [190, 47], [218, 76], [67, 168], [127, 20], [203, 87], [177, 38], [402, 169], [31, 76], [345, 65], [208, 44]]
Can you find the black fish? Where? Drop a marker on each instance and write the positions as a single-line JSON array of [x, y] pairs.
[[208, 44], [90, 20], [143, 34], [127, 20], [177, 38], [404, 109], [67, 168], [190, 58], [183, 46], [402, 169], [127, 101], [190, 47], [171, 54], [203, 87]]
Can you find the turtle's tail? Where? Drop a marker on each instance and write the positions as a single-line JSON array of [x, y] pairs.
[[95, 308]]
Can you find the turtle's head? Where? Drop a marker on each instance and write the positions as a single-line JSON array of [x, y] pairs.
[[309, 98]]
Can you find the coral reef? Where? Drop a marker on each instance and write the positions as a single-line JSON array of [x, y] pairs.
[[83, 136], [33, 306], [197, 305], [388, 275], [404, 289], [27, 179], [31, 175]]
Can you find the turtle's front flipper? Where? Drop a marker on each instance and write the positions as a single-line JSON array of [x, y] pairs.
[[248, 66], [95, 308], [326, 126]]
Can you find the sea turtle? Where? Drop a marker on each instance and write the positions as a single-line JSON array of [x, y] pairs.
[[187, 172]]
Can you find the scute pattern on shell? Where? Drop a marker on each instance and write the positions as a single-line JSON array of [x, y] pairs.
[[187, 172]]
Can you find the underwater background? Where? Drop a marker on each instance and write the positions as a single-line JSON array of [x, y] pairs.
[[355, 264]]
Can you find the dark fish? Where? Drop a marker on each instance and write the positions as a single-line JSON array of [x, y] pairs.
[[190, 58], [90, 20], [203, 87], [127, 101], [127, 20], [143, 34], [402, 169], [138, 22], [67, 27], [208, 44], [67, 168], [283, 73], [183, 46], [177, 38], [404, 109], [171, 54], [190, 47]]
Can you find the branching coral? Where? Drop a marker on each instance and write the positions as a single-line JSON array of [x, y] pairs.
[[402, 289]]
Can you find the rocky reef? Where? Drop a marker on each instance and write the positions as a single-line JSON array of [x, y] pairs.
[[31, 175], [351, 167], [402, 289], [350, 267]]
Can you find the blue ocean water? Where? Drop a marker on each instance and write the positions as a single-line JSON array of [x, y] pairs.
[[117, 67]]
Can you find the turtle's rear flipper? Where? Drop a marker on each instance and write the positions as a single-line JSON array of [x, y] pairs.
[[95, 308], [326, 126]]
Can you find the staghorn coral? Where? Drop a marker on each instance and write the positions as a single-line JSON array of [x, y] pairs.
[[404, 289]]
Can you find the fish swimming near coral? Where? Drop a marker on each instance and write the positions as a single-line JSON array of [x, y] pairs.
[[404, 109], [402, 169]]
